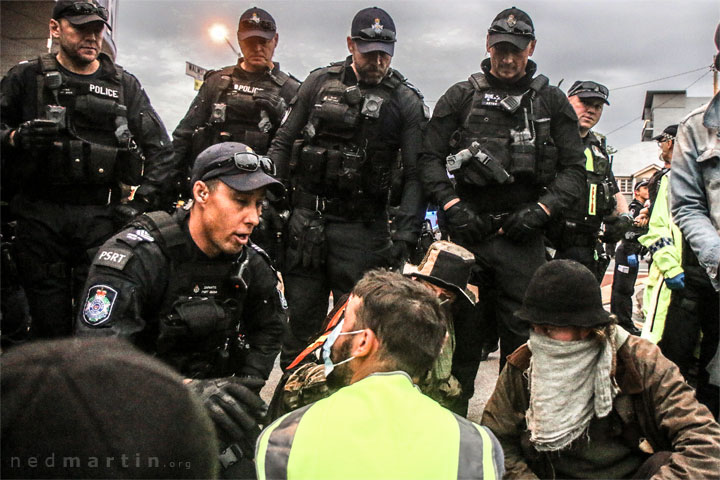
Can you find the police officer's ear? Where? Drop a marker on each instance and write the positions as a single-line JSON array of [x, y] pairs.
[[54, 28], [200, 192], [351, 45], [532, 44]]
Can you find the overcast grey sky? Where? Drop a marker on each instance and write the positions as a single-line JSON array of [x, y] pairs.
[[617, 43]]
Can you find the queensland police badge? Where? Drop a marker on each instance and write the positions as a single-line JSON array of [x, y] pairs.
[[99, 304]]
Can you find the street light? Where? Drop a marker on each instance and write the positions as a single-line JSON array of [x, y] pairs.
[[218, 32]]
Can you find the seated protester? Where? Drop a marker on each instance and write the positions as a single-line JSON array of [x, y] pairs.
[[444, 271], [585, 399], [192, 289], [378, 425], [98, 408]]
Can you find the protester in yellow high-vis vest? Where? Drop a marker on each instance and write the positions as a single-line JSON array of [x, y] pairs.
[[379, 425]]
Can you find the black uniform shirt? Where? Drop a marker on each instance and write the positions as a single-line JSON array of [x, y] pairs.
[[450, 113], [127, 285]]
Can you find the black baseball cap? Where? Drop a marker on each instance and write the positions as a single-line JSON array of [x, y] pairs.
[[589, 89], [80, 13], [373, 30], [256, 22], [511, 25], [669, 133], [237, 166], [640, 184]]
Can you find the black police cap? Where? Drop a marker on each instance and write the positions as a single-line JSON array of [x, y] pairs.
[[256, 22], [373, 30], [512, 25], [589, 89]]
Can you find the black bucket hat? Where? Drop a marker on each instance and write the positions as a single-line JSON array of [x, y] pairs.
[[564, 293]]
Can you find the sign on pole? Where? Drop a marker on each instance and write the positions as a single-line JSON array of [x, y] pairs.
[[196, 72]]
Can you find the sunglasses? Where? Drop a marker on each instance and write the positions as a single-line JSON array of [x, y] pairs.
[[245, 161], [369, 34], [264, 25], [589, 87], [84, 8], [519, 28]]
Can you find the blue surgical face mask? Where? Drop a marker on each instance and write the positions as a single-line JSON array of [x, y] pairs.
[[329, 342]]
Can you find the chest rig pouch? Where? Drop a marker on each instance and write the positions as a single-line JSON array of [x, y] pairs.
[[95, 146], [199, 320], [339, 155], [506, 128]]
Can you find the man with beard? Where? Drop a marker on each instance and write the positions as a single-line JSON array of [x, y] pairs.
[[511, 142], [349, 125], [379, 425], [584, 399], [74, 127]]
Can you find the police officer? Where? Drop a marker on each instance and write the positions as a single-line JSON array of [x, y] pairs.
[[349, 125], [191, 287], [627, 260], [243, 103], [74, 127], [517, 162], [575, 234]]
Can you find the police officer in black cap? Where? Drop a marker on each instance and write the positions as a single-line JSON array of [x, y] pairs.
[[351, 124], [575, 234], [244, 103], [191, 287], [74, 127], [517, 161]]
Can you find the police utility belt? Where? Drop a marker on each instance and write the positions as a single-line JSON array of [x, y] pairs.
[[347, 209], [95, 146]]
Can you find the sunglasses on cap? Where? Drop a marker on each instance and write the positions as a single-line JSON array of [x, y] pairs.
[[264, 25], [519, 28], [245, 161], [371, 35], [84, 8], [589, 87]]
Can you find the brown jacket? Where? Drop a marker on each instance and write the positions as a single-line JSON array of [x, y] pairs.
[[656, 411]]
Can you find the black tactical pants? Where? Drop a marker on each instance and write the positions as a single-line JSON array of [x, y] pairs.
[[623, 287], [588, 256], [503, 273], [692, 311], [51, 251], [352, 248]]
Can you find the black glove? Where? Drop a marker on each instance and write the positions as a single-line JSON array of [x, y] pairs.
[[401, 251], [615, 227], [465, 226], [124, 213], [524, 223], [235, 408], [274, 105], [36, 133]]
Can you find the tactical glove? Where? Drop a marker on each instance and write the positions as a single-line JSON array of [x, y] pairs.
[[677, 282], [524, 223], [274, 105], [632, 260], [124, 213], [465, 226], [235, 409], [615, 227], [401, 251], [36, 133], [312, 244]]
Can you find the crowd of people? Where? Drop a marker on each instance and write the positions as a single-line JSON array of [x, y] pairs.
[[221, 249]]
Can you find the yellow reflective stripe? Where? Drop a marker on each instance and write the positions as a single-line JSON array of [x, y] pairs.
[[487, 455], [589, 162], [592, 196]]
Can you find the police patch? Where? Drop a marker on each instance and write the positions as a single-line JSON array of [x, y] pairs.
[[139, 235], [99, 305], [113, 257], [491, 99]]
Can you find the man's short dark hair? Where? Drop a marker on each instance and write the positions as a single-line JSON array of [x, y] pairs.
[[406, 318]]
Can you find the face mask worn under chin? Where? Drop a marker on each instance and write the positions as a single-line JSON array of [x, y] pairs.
[[327, 347]]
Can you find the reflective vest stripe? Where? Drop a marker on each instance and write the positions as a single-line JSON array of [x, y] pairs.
[[273, 447], [589, 162], [592, 195], [477, 454]]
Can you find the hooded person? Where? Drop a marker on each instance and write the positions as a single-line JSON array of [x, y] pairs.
[[584, 399]]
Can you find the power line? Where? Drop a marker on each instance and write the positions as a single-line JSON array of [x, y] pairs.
[[663, 103], [662, 78]]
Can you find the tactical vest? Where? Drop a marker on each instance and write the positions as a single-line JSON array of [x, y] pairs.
[[512, 130], [340, 155], [200, 333], [235, 115], [599, 199], [95, 146]]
